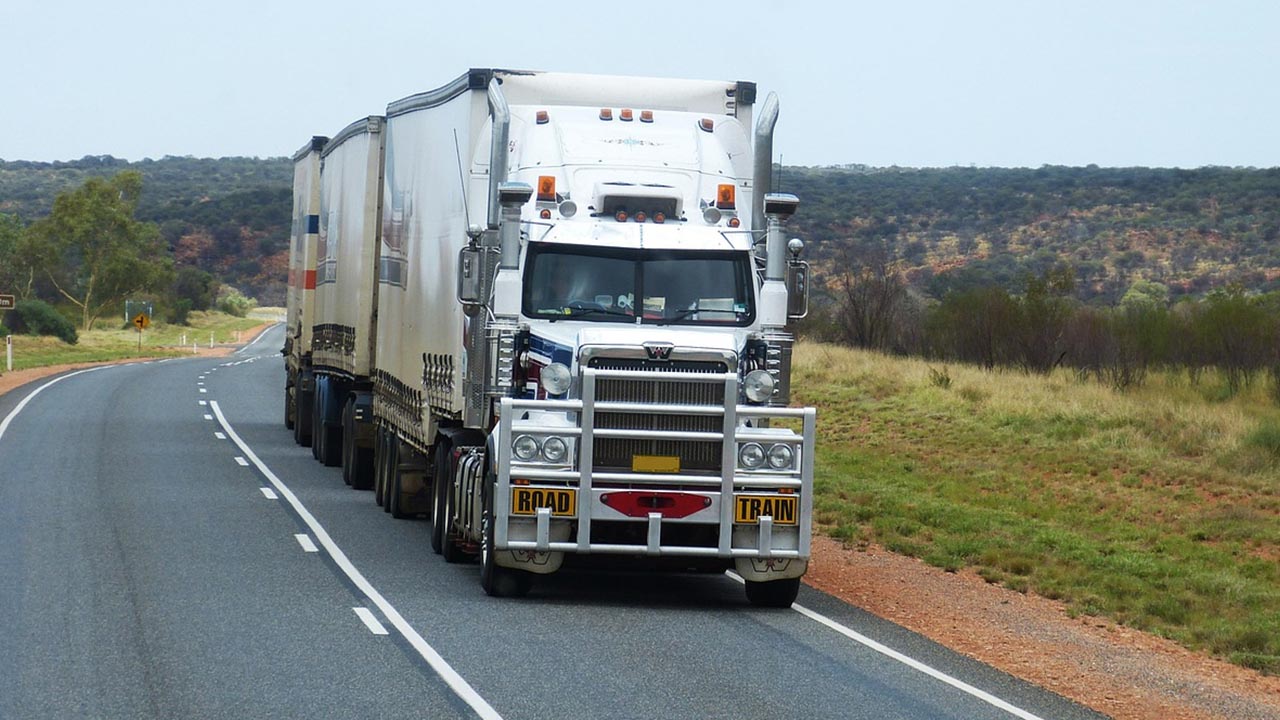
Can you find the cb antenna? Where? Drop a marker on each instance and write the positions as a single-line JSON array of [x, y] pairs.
[[462, 183]]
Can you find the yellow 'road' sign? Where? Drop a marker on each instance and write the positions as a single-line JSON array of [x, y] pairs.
[[142, 322]]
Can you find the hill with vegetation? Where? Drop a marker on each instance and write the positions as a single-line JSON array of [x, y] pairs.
[[951, 229], [228, 216]]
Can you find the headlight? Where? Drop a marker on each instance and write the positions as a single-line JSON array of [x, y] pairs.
[[780, 457], [554, 449], [758, 386], [556, 379], [525, 447], [751, 456]]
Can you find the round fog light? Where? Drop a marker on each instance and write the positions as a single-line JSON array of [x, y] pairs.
[[780, 457], [758, 386], [554, 449], [525, 447], [555, 379], [751, 456]]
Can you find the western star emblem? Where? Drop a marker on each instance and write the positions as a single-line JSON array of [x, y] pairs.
[[658, 351]]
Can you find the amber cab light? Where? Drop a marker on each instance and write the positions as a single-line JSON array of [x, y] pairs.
[[625, 115], [621, 216], [659, 218], [547, 188], [707, 124], [734, 222], [646, 116], [543, 117], [606, 114], [640, 216], [726, 197], [545, 214]]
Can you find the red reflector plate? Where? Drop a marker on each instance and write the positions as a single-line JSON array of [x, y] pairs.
[[748, 509], [639, 503]]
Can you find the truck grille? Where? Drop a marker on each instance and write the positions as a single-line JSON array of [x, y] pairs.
[[616, 453]]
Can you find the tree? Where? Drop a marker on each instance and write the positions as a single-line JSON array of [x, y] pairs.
[[15, 275], [871, 292], [93, 251]]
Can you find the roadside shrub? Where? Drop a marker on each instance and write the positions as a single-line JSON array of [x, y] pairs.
[[4, 331], [233, 302], [179, 311], [36, 317]]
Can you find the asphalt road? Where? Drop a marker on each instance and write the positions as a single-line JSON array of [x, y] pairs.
[[151, 567]]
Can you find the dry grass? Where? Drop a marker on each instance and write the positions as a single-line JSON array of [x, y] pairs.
[[1159, 507], [102, 345]]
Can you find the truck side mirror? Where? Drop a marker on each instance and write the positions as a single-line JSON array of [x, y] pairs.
[[797, 289], [470, 267], [797, 281]]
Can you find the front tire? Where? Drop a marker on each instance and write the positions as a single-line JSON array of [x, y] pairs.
[[773, 593], [440, 479], [498, 581]]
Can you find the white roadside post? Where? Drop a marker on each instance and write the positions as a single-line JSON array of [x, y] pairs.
[[8, 352]]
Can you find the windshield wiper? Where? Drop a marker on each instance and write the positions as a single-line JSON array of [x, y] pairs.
[[689, 311], [582, 312]]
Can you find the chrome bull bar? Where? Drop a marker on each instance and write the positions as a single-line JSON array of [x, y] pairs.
[[719, 487]]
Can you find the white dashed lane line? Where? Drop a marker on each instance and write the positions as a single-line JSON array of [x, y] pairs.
[[305, 541], [370, 621]]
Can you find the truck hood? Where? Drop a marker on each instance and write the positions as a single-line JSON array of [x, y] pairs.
[[561, 341]]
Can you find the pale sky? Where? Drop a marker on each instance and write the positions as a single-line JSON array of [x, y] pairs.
[[912, 83]]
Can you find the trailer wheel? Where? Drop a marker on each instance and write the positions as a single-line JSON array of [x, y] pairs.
[[394, 500], [317, 426], [302, 416], [440, 479], [379, 460], [773, 593], [348, 442], [498, 581], [288, 405]]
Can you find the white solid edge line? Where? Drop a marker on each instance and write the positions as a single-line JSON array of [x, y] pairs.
[[269, 494], [4, 425], [259, 337], [370, 621], [908, 661], [456, 683], [305, 541]]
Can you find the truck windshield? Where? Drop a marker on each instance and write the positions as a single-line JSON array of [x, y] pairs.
[[663, 287]]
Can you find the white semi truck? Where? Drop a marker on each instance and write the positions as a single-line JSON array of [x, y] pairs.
[[578, 327]]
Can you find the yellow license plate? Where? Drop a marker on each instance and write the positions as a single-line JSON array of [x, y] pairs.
[[748, 509], [655, 463], [562, 501]]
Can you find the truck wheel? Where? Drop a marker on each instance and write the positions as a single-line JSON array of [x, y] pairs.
[[773, 593], [498, 581], [440, 479], [317, 427], [380, 453], [449, 543], [302, 417], [288, 406], [377, 465], [348, 441], [394, 501]]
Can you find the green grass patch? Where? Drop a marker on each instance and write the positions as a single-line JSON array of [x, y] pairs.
[[1158, 507]]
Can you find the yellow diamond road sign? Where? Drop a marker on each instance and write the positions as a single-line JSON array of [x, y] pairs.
[[142, 322]]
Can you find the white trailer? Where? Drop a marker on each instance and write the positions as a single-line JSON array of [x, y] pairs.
[[344, 327], [300, 297], [581, 300]]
